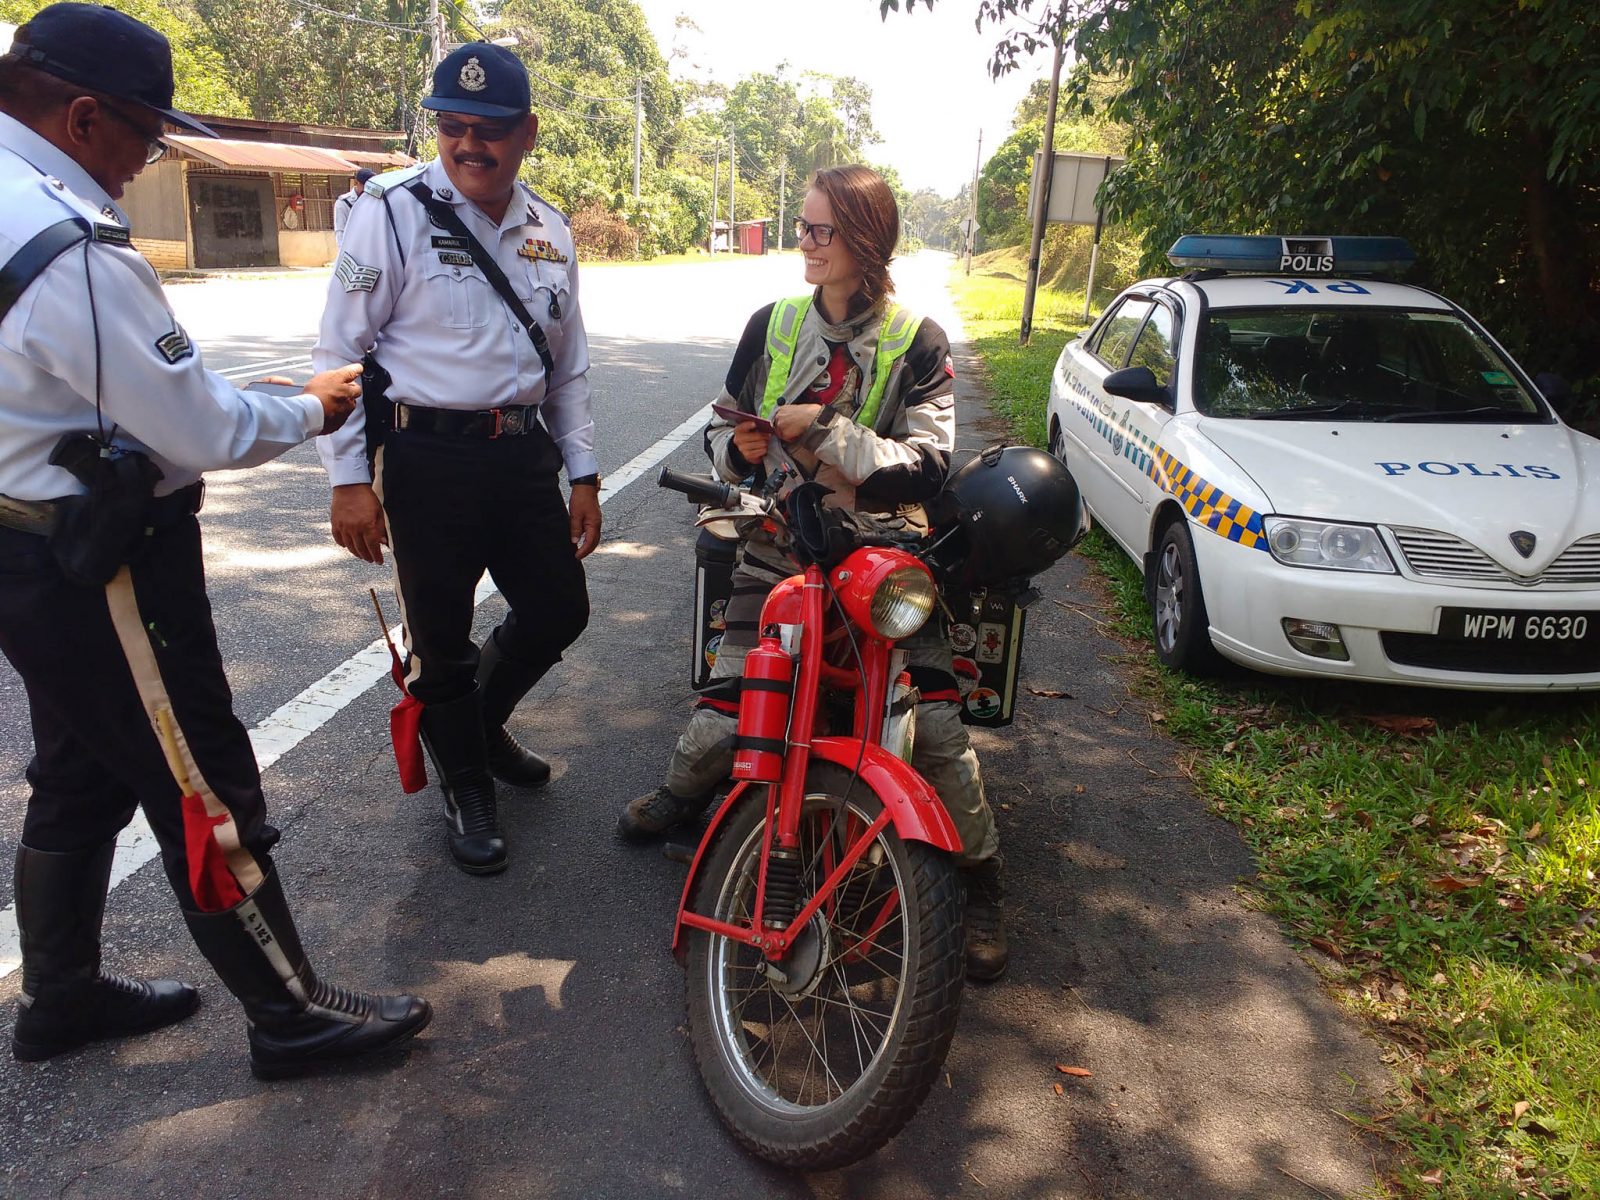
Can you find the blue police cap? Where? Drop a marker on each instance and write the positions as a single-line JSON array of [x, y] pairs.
[[482, 81], [105, 51]]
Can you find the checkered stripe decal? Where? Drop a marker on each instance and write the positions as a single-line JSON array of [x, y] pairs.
[[1209, 504], [1205, 502]]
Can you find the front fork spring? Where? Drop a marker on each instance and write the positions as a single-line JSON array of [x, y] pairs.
[[782, 903]]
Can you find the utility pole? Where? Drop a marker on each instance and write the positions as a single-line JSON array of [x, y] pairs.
[[783, 166], [972, 203], [731, 149], [435, 36], [716, 166], [1041, 197], [638, 128]]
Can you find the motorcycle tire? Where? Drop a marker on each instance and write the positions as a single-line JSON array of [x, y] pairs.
[[880, 968]]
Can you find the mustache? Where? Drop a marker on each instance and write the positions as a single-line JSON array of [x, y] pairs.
[[487, 159]]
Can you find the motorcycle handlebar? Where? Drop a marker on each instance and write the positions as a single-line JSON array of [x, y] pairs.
[[702, 489]]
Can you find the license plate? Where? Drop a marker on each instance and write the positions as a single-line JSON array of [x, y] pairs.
[[1495, 625]]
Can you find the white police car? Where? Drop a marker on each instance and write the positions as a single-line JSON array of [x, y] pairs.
[[1322, 472]]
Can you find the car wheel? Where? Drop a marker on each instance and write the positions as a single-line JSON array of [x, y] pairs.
[[1178, 607]]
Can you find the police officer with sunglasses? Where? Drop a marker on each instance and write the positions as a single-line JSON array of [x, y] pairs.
[[463, 285]]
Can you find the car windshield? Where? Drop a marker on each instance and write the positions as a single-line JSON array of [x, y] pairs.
[[1372, 365]]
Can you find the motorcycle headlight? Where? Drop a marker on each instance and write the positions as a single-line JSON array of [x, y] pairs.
[[1327, 544], [902, 602]]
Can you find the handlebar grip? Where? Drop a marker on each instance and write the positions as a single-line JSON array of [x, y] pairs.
[[702, 489]]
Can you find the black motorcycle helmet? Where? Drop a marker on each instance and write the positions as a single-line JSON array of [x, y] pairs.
[[1015, 509]]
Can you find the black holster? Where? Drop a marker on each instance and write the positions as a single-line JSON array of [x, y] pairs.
[[377, 411], [99, 531]]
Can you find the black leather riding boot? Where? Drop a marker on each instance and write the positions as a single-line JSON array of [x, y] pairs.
[[502, 682], [67, 1001], [453, 734], [987, 952], [298, 1022]]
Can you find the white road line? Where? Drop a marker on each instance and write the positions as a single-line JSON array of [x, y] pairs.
[[291, 724], [266, 366]]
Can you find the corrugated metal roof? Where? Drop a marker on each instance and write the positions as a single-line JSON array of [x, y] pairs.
[[265, 156], [375, 158]]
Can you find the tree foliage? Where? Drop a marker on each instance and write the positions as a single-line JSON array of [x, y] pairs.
[[1468, 128]]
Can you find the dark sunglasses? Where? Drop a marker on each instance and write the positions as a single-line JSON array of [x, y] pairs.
[[485, 131], [820, 234], [154, 148]]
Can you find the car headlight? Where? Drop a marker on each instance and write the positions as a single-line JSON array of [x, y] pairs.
[[1327, 544], [902, 602]]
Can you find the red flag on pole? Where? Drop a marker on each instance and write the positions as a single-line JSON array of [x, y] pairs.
[[405, 718]]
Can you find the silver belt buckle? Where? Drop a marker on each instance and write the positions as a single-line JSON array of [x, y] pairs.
[[513, 420]]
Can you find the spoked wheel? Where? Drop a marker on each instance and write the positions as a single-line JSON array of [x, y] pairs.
[[816, 1061]]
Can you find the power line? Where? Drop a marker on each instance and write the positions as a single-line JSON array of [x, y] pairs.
[[579, 95], [544, 108]]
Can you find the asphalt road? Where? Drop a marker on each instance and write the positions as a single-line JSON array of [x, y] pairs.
[[557, 1063]]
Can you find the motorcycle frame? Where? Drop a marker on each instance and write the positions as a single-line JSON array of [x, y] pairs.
[[909, 802]]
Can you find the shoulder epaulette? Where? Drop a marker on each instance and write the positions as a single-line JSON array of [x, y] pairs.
[[379, 184], [534, 196]]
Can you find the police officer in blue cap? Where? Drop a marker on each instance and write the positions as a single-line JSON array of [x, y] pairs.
[[464, 284], [107, 420]]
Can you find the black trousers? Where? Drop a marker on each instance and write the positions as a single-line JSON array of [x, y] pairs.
[[106, 670], [457, 506]]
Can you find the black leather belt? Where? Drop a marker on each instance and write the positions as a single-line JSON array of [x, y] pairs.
[[486, 422], [40, 517]]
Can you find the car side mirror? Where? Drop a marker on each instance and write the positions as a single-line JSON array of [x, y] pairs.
[[1137, 383]]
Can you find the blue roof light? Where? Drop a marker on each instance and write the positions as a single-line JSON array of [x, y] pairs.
[[1258, 254]]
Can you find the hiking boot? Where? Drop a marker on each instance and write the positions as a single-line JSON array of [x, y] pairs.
[[987, 952], [652, 815]]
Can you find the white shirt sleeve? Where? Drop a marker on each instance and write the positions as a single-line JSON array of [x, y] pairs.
[[566, 408], [146, 372], [367, 279]]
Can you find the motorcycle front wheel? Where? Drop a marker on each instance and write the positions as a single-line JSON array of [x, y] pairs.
[[819, 1063]]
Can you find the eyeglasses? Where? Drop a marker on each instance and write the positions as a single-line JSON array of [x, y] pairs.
[[486, 131], [820, 234], [154, 148]]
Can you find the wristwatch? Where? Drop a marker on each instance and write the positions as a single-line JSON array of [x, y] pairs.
[[585, 481]]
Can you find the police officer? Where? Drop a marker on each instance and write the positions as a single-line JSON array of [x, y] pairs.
[[465, 285], [343, 205], [113, 636]]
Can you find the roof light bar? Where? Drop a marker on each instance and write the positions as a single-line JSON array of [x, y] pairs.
[[1257, 254]]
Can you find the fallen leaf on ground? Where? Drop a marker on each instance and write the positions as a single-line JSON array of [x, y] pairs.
[[1454, 883], [1050, 695], [1158, 717], [1434, 1176], [1517, 1110], [1077, 1072], [1060, 1091], [1413, 726], [1327, 947]]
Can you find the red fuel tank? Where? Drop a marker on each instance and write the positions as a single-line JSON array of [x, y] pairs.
[[764, 713]]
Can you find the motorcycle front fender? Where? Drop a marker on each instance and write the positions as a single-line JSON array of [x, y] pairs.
[[914, 807]]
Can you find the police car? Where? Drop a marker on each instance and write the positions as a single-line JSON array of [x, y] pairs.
[[1322, 471]]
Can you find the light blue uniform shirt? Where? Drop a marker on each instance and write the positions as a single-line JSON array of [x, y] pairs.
[[155, 395], [440, 330]]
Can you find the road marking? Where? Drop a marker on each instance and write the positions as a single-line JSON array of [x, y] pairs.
[[288, 726], [269, 366]]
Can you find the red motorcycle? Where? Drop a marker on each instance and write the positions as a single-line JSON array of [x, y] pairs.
[[821, 922]]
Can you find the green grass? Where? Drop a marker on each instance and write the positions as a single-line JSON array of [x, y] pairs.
[[1436, 853]]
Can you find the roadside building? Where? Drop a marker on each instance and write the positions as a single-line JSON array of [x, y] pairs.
[[260, 195]]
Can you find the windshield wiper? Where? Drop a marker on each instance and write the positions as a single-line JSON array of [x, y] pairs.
[[1306, 411], [1484, 413]]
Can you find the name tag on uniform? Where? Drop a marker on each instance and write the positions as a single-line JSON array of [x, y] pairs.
[[539, 249], [455, 258], [114, 235], [449, 243]]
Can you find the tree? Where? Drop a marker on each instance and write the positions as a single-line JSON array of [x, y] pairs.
[[1466, 127]]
